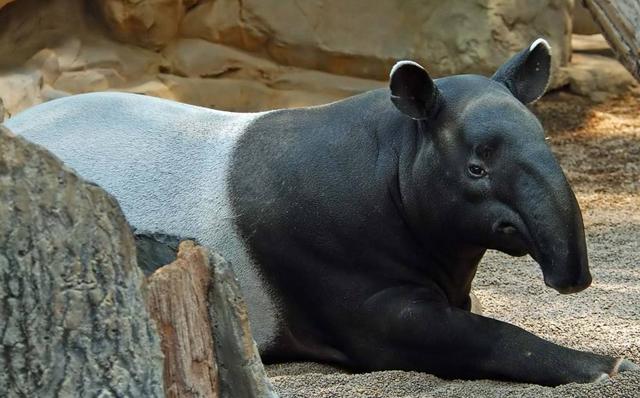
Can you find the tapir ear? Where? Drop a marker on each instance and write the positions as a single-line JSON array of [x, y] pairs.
[[413, 91], [527, 73]]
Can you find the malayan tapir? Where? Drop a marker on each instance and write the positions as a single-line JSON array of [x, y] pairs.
[[356, 227]]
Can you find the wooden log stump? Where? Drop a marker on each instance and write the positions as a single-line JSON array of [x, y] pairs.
[[203, 323], [177, 299], [72, 318]]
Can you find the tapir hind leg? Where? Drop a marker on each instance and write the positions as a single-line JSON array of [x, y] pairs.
[[406, 328]]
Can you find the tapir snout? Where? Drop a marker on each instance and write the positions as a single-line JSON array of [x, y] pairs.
[[553, 218]]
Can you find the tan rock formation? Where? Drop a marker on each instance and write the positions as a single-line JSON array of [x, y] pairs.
[[201, 58], [20, 89], [361, 38], [148, 23], [598, 77], [257, 55]]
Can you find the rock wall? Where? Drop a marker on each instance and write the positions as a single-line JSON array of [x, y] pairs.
[[255, 54], [361, 38]]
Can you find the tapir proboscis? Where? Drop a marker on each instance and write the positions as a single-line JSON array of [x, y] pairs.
[[355, 228]]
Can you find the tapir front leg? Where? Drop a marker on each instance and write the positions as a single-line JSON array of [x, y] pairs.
[[411, 328]]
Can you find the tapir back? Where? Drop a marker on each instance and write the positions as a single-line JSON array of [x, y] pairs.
[[165, 162]]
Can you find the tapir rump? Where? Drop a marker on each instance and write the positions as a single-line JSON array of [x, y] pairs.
[[356, 227]]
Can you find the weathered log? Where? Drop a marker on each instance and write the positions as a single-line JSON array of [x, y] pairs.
[[72, 318], [203, 322], [176, 296], [620, 24]]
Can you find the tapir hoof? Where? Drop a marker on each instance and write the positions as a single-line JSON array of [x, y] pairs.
[[622, 365]]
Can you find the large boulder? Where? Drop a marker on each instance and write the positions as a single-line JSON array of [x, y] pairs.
[[72, 319], [201, 58], [364, 38], [257, 55]]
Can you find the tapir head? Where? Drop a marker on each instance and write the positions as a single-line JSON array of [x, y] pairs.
[[493, 181]]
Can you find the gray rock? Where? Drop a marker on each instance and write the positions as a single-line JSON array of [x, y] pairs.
[[72, 319], [240, 369]]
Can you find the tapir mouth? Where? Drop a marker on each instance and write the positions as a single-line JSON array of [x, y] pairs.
[[566, 274], [569, 289], [514, 238], [562, 284], [517, 240]]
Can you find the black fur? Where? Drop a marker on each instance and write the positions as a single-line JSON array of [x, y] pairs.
[[369, 226]]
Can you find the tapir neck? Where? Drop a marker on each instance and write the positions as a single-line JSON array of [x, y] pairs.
[[453, 269], [447, 260]]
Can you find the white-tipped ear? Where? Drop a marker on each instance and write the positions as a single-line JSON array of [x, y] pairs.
[[413, 91], [538, 42], [527, 73], [402, 63]]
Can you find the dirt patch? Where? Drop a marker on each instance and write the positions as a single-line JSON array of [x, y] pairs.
[[598, 146]]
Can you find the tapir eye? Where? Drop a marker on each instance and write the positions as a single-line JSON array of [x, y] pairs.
[[477, 171]]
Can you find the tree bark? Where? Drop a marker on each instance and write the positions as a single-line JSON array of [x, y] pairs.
[[620, 24], [176, 296], [72, 318]]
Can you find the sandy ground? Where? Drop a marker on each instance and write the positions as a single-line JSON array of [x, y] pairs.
[[599, 148]]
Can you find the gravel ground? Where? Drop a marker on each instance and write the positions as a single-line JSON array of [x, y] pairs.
[[599, 148]]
